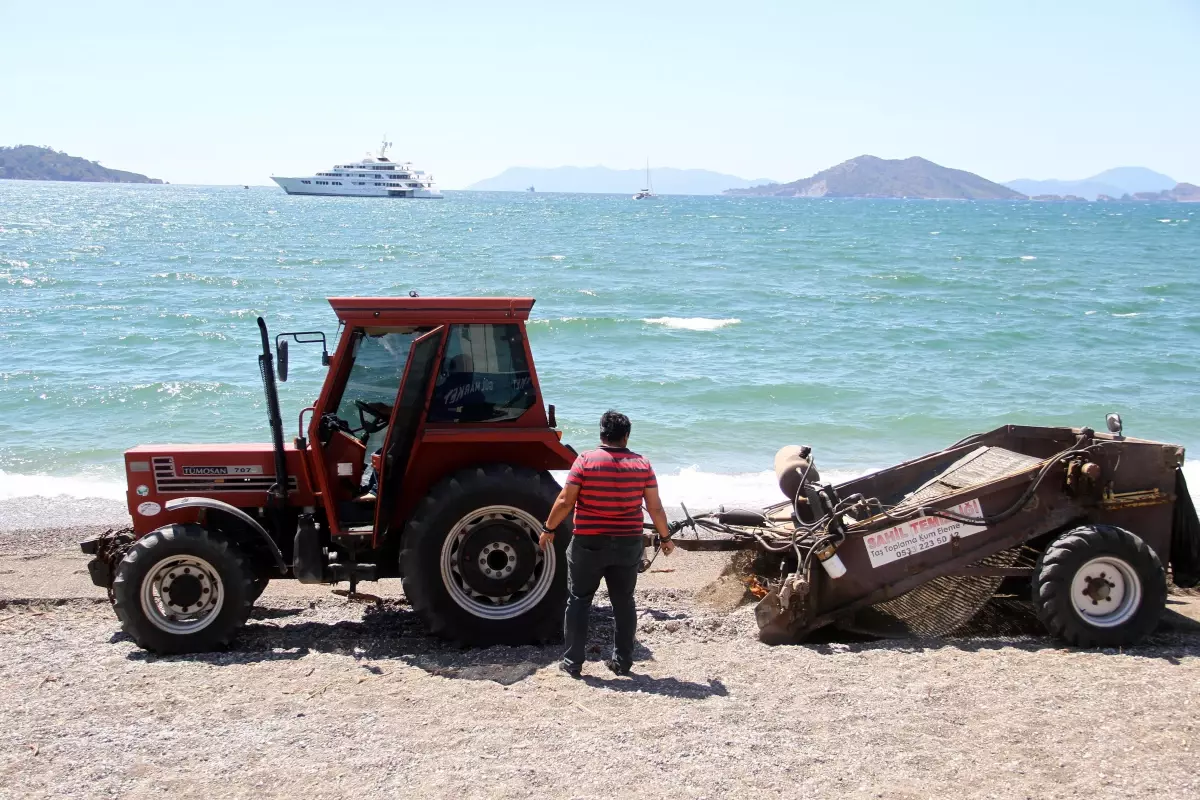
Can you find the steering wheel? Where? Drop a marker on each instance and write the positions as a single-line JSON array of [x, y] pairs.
[[373, 416]]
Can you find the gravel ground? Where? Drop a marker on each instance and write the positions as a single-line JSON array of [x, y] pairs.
[[329, 697]]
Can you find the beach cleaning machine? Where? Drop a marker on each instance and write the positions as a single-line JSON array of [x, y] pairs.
[[1083, 523]]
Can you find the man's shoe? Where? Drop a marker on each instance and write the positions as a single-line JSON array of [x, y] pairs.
[[574, 672], [616, 667]]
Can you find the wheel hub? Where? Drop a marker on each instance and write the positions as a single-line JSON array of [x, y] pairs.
[[1106, 591], [184, 591], [497, 558], [492, 565], [182, 594], [1099, 588]]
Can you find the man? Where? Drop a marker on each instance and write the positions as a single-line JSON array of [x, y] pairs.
[[606, 488]]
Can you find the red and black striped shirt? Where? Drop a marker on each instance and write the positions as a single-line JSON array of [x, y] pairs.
[[611, 481]]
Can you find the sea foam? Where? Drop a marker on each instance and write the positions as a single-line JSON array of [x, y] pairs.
[[691, 323], [75, 486]]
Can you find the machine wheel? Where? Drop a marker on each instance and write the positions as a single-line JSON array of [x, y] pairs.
[[1099, 586], [182, 589], [471, 564]]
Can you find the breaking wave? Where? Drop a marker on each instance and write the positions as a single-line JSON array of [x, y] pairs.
[[691, 323], [80, 487]]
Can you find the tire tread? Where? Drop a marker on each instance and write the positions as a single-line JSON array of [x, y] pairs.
[[1056, 568]]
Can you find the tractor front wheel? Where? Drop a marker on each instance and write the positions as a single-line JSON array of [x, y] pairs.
[[470, 559], [182, 589], [1099, 586]]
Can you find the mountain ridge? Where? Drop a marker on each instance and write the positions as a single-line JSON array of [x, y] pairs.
[[606, 180], [871, 176], [1112, 182], [30, 162]]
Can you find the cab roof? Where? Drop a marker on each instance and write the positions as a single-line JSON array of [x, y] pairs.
[[429, 310]]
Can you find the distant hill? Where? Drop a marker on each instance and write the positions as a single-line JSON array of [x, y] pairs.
[[870, 176], [603, 180], [26, 162], [1112, 182], [1179, 193]]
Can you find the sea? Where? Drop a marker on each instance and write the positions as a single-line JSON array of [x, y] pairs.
[[872, 330]]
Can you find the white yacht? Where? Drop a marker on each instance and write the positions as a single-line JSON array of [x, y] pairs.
[[374, 176]]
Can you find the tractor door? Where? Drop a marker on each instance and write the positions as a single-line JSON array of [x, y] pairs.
[[408, 414]]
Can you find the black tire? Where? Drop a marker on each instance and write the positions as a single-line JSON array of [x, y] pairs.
[[447, 510], [231, 581], [1114, 575]]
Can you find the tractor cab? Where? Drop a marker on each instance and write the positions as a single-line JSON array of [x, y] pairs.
[[454, 372]]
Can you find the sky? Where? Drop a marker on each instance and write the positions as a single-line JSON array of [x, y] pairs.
[[233, 92]]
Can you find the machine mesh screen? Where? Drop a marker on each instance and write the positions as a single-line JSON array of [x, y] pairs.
[[942, 605]]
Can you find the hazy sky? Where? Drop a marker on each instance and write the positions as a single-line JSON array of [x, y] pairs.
[[216, 92]]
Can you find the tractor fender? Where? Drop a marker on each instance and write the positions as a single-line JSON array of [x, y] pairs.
[[234, 511]]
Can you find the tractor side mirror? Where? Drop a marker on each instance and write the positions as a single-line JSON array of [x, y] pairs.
[[281, 359], [1114, 424], [551, 416]]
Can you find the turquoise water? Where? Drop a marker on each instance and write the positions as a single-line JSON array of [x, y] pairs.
[[873, 330]]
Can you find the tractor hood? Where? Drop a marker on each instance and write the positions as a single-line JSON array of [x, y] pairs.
[[238, 474]]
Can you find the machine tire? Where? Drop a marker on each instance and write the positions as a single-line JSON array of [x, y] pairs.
[[1128, 575], [226, 575], [443, 515]]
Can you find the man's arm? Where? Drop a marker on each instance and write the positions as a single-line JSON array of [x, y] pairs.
[[562, 507], [659, 517]]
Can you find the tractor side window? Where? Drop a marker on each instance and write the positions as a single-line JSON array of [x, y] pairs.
[[484, 376]]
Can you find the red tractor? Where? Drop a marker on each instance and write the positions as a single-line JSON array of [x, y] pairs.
[[438, 398]]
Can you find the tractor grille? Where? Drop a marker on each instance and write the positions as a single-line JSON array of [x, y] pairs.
[[167, 481]]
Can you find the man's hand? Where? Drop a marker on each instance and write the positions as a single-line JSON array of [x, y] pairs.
[[546, 540], [668, 547]]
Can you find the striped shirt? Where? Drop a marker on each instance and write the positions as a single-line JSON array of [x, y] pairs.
[[611, 481]]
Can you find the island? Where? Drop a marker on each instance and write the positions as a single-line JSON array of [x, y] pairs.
[[1182, 193], [871, 176], [30, 163], [1059, 198]]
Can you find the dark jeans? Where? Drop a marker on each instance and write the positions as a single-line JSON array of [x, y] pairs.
[[616, 560]]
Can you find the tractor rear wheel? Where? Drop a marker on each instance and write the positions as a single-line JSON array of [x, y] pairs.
[[470, 560], [1099, 586], [182, 589]]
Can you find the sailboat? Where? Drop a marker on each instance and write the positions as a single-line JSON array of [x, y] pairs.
[[649, 190]]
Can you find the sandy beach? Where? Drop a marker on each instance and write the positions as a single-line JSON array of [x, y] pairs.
[[328, 697]]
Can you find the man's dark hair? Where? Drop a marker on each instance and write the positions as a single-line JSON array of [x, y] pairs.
[[614, 427]]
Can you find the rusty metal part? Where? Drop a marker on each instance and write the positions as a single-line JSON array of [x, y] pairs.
[[755, 587], [110, 549], [1138, 499]]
